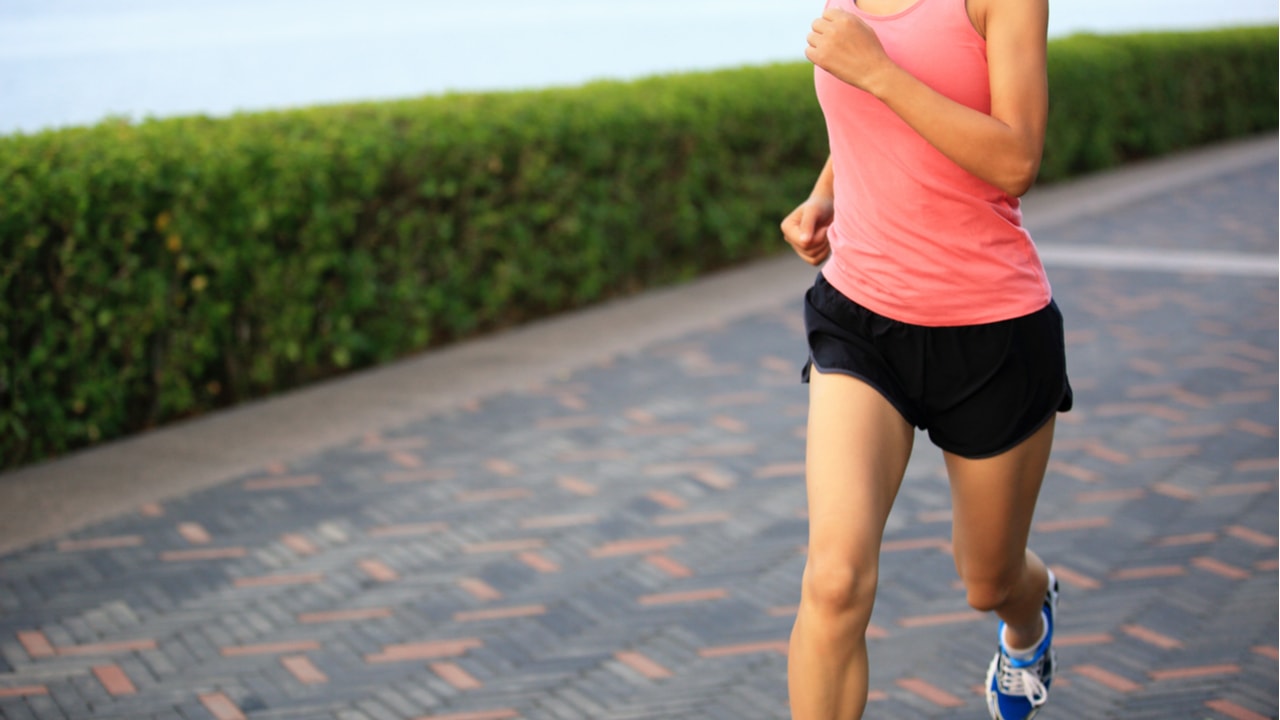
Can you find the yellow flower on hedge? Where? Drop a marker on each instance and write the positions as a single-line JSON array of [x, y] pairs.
[[162, 221], [174, 243], [199, 283]]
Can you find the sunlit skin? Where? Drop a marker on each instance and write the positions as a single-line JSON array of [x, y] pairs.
[[858, 445]]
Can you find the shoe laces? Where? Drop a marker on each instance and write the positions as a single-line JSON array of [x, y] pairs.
[[1023, 681]]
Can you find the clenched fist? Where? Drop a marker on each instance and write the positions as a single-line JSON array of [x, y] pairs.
[[806, 229], [845, 46]]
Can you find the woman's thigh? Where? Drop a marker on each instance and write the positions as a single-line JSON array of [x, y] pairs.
[[993, 504], [857, 451]]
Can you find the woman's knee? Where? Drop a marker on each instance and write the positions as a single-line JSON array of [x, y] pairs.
[[990, 592], [835, 587]]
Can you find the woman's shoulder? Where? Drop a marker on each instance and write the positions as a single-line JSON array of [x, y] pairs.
[[981, 11]]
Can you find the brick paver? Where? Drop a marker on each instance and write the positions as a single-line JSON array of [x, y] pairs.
[[626, 542]]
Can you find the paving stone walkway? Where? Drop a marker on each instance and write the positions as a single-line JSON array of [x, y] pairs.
[[626, 541]]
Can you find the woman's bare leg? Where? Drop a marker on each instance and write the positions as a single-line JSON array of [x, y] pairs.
[[858, 447], [993, 501]]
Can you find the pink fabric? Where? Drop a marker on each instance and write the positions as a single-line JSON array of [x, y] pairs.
[[915, 237]]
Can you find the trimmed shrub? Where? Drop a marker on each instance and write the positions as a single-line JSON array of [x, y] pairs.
[[155, 271], [1115, 98]]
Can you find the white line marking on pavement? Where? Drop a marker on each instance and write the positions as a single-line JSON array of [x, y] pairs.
[[1160, 260]]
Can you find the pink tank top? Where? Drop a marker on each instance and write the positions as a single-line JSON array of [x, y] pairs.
[[915, 237]]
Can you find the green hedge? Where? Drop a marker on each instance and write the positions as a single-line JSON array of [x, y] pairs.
[[155, 271], [1122, 97]]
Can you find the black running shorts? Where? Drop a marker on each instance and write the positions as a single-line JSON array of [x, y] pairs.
[[978, 390]]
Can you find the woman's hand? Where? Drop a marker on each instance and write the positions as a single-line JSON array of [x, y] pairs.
[[806, 229], [845, 46]]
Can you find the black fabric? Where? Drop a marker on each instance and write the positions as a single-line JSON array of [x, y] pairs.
[[978, 390]]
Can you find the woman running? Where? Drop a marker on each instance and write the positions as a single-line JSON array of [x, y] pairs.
[[933, 310]]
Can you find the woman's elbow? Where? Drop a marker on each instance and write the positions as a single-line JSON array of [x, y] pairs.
[[1018, 188], [1019, 178]]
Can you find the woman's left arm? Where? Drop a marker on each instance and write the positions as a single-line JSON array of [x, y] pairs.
[[1003, 148]]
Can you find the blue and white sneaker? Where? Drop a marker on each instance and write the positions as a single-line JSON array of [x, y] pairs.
[[1018, 689]]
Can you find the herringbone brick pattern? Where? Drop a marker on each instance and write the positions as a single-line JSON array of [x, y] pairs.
[[626, 542]]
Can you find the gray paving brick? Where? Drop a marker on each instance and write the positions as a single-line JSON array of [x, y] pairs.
[[44, 706], [16, 710]]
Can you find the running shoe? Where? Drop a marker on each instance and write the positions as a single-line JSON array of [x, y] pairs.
[[1018, 689]]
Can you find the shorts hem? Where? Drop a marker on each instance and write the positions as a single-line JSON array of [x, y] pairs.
[[870, 383], [1057, 408]]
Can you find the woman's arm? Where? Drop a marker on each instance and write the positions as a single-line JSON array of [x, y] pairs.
[[825, 187], [806, 227], [1003, 148]]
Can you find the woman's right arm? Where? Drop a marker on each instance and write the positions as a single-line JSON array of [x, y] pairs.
[[806, 227]]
